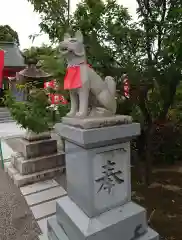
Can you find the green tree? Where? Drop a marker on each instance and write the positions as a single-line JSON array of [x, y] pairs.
[[49, 58], [8, 34], [150, 51]]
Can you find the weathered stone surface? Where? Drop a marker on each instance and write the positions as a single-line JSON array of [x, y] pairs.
[[36, 148], [88, 123], [38, 164], [121, 221], [43, 196], [98, 205], [44, 210], [31, 136], [37, 187], [22, 180], [98, 137], [93, 194], [56, 232], [44, 237]]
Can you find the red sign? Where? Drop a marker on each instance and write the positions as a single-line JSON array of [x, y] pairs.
[[1, 67]]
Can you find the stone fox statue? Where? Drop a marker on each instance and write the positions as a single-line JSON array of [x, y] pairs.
[[89, 94]]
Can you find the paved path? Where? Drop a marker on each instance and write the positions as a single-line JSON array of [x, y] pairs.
[[41, 197], [10, 129], [16, 220]]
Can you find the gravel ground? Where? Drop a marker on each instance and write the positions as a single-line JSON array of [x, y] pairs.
[[16, 220]]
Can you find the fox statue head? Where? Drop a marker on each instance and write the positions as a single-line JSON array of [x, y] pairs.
[[72, 47]]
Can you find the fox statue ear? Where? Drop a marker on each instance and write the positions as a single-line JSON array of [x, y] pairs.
[[66, 36], [79, 36]]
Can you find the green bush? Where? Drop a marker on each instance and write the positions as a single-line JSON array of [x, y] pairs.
[[34, 114]]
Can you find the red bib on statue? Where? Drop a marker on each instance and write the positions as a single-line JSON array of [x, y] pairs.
[[72, 78]]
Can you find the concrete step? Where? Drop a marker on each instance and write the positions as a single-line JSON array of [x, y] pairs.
[[38, 164], [23, 180], [4, 109], [55, 232], [38, 187], [43, 237], [4, 115], [45, 196], [6, 120]]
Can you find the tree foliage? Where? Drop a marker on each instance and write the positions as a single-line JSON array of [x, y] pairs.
[[49, 59], [7, 34], [149, 50]]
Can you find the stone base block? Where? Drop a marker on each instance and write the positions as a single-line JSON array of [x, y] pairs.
[[97, 122], [126, 221], [98, 137], [36, 148], [56, 232], [38, 164], [22, 180]]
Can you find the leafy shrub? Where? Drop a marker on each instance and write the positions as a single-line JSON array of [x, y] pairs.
[[34, 114]]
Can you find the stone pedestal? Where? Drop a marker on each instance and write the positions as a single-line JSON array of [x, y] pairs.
[[35, 161], [98, 205]]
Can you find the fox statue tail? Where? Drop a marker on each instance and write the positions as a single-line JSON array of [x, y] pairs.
[[111, 85], [107, 96]]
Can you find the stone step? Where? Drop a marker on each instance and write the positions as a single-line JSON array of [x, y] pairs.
[[4, 109], [5, 114], [38, 187], [7, 120], [44, 210], [43, 225], [44, 196], [124, 220], [22, 180], [55, 232], [43, 237], [38, 164]]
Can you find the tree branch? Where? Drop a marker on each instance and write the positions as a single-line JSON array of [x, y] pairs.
[[160, 27], [147, 27]]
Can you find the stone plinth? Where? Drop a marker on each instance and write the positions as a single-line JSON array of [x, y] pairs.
[[35, 149], [35, 161], [98, 205], [38, 164]]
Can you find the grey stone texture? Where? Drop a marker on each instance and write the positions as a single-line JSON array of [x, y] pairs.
[[89, 123], [36, 148], [98, 205], [119, 221], [98, 137], [39, 164], [35, 161], [23, 180], [56, 232], [38, 187], [44, 196], [81, 182]]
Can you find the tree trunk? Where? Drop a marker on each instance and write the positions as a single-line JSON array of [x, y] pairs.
[[148, 153]]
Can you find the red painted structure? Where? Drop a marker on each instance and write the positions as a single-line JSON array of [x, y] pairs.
[[1, 66]]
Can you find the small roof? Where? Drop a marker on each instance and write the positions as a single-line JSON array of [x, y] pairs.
[[32, 72], [13, 56]]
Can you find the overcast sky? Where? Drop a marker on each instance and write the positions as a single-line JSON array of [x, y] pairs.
[[20, 16]]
